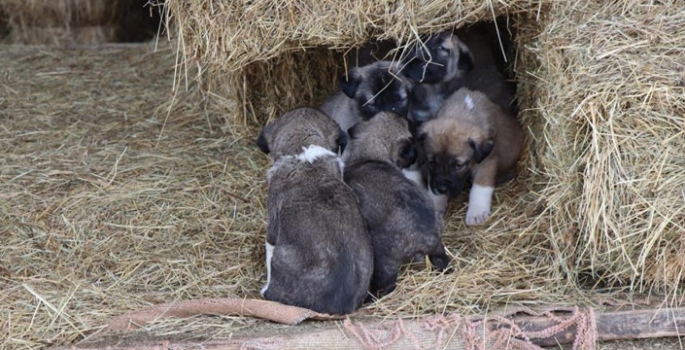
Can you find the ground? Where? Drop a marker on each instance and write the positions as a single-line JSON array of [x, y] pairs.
[[117, 193]]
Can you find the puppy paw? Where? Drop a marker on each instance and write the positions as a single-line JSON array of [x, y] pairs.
[[477, 216], [480, 204]]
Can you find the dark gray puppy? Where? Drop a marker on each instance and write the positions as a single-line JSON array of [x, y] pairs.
[[367, 90], [318, 252], [399, 215]]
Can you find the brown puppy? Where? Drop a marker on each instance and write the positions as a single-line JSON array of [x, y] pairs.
[[474, 139], [318, 253], [399, 215], [367, 90]]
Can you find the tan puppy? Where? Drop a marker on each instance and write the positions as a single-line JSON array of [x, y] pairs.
[[474, 139], [367, 90], [399, 215], [318, 252]]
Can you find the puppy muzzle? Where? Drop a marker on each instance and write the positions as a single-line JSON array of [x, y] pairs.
[[446, 187]]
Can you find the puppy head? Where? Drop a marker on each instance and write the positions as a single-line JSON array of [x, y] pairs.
[[452, 147], [441, 57], [384, 137], [298, 128], [377, 87]]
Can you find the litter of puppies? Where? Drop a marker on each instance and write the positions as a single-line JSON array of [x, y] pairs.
[[361, 185]]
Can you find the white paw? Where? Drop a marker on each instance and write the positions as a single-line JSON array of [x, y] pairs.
[[477, 216], [480, 204]]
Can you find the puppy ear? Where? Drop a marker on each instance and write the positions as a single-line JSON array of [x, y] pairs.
[[482, 150], [350, 84], [407, 155], [465, 62], [261, 142], [352, 132], [342, 141]]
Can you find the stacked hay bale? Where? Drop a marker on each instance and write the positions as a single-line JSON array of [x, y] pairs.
[[68, 22], [601, 86], [61, 21]]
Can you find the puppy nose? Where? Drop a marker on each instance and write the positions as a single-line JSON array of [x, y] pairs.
[[442, 188]]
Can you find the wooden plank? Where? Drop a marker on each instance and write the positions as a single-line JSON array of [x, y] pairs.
[[414, 334]]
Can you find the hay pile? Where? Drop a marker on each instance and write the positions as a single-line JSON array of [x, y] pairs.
[[78, 22]]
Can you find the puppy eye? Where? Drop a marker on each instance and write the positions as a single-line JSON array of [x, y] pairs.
[[443, 49]]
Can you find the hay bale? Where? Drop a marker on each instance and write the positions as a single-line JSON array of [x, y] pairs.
[[69, 22], [253, 36], [627, 109], [60, 13]]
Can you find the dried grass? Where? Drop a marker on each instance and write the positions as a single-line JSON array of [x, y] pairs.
[[627, 98], [62, 36], [110, 202], [78, 22], [60, 13]]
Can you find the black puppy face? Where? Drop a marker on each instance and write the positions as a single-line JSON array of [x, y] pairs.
[[448, 174], [376, 90], [442, 57]]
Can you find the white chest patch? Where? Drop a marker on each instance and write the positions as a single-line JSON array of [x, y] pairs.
[[314, 152], [414, 175], [469, 101], [269, 256]]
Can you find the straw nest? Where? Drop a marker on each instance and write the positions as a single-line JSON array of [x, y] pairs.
[[110, 202]]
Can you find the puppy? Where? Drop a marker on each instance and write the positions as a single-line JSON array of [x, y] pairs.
[[318, 252], [398, 214], [366, 91], [301, 127], [436, 66], [471, 139], [448, 61]]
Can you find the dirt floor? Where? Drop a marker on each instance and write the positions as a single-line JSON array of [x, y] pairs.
[[112, 201]]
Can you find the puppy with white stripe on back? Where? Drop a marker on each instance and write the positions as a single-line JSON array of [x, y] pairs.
[[318, 253], [471, 139], [399, 215], [367, 90]]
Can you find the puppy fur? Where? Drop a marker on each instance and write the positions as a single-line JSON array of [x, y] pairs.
[[399, 215], [471, 139], [311, 263], [366, 91], [301, 127]]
